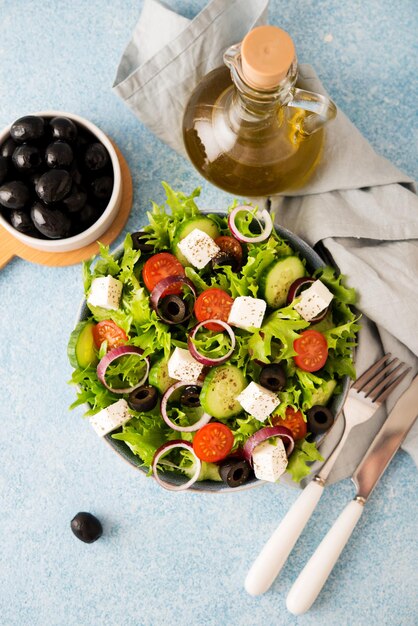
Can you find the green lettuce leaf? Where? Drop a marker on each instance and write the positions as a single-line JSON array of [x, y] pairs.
[[303, 453]]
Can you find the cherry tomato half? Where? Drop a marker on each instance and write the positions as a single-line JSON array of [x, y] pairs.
[[213, 304], [159, 266], [230, 245], [312, 350], [213, 442], [108, 331], [293, 421]]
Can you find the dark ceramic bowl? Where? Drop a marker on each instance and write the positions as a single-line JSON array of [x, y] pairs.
[[314, 261]]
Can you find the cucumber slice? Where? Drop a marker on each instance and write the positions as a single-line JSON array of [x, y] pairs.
[[220, 388], [81, 348], [277, 278], [202, 223], [323, 394], [158, 376]]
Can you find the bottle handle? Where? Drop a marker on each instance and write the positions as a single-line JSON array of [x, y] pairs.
[[322, 109]]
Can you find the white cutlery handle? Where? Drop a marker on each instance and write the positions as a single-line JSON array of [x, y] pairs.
[[312, 578], [275, 552]]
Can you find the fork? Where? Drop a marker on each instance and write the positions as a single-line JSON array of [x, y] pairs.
[[365, 396]]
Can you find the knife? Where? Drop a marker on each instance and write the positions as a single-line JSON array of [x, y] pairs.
[[312, 578]]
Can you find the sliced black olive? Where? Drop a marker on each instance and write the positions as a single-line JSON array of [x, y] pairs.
[[191, 396], [138, 242], [96, 157], [225, 258], [14, 195], [22, 221], [7, 148], [53, 186], [59, 154], [26, 158], [320, 419], [4, 169], [63, 128], [173, 310], [273, 377], [144, 398], [235, 472], [28, 128], [52, 223], [86, 527]]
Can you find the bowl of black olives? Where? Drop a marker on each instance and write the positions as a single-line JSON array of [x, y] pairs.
[[60, 181]]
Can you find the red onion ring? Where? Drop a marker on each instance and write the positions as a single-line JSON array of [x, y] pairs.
[[113, 354], [263, 215], [265, 433], [158, 292], [181, 429], [204, 359], [170, 445]]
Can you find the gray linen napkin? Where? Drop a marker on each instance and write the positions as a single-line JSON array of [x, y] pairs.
[[357, 204]]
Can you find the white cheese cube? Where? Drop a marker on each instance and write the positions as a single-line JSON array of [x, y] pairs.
[[182, 366], [258, 401], [313, 300], [247, 312], [105, 292], [111, 417], [198, 248], [269, 460]]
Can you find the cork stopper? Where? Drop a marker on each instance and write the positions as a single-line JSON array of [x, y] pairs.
[[267, 52]]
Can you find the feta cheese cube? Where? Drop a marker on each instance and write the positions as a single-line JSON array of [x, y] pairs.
[[105, 292], [258, 401], [111, 417], [313, 300], [198, 248], [182, 366], [269, 460], [247, 312]]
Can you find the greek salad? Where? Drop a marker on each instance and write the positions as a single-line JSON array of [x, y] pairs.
[[210, 349]]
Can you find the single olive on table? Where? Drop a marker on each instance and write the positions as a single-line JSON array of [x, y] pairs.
[[56, 178], [86, 527]]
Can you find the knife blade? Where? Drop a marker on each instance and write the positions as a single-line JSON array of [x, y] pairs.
[[387, 442]]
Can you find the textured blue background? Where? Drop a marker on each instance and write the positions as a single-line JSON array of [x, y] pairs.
[[167, 558]]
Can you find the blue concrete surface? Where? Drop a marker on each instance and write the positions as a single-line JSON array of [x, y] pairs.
[[174, 558]]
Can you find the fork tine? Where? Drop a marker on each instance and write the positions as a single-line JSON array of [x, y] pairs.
[[386, 392], [381, 376], [368, 374]]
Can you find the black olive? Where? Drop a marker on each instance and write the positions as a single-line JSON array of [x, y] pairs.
[[235, 472], [63, 128], [26, 158], [14, 195], [96, 157], [75, 201], [102, 187], [4, 169], [320, 419], [22, 221], [7, 148], [76, 175], [53, 186], [144, 398], [138, 242], [87, 216], [59, 154], [191, 396], [225, 258], [173, 310], [86, 527], [28, 128], [52, 223], [273, 377]]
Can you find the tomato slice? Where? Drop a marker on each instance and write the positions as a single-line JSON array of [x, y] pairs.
[[108, 331], [293, 421], [312, 350], [230, 245], [213, 304], [161, 266], [213, 442]]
